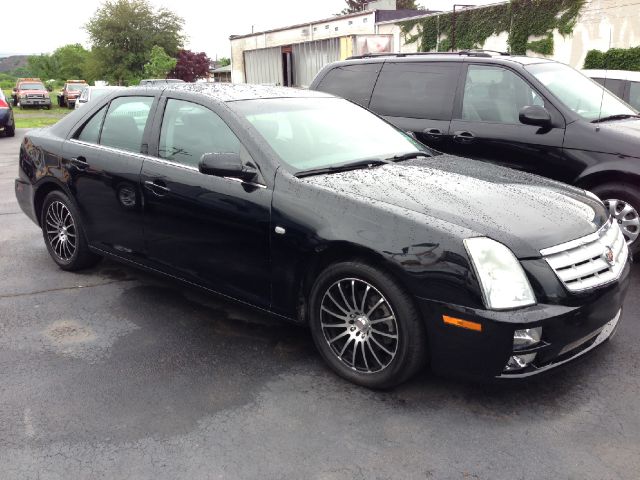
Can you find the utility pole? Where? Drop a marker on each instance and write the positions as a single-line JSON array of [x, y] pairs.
[[453, 24]]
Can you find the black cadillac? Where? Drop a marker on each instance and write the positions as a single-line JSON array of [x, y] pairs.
[[313, 209]]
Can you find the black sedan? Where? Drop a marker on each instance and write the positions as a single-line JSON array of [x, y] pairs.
[[7, 123], [314, 210]]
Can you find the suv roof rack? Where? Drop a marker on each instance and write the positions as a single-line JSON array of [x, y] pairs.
[[470, 53]]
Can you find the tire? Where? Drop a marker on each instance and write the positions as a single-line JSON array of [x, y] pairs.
[[70, 251], [623, 202], [10, 131], [388, 361]]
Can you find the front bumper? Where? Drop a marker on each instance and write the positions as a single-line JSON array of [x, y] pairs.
[[32, 102], [568, 332]]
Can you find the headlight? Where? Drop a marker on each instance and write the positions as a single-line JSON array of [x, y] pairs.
[[502, 279]]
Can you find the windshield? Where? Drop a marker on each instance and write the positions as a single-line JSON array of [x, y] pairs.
[[31, 86], [76, 87], [310, 133], [579, 93]]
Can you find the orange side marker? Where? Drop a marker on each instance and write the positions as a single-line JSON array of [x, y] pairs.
[[458, 322]]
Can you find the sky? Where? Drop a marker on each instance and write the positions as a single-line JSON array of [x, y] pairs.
[[208, 23]]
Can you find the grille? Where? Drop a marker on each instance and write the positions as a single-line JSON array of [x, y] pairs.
[[591, 261], [35, 95]]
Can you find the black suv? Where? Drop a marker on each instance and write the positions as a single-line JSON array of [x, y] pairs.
[[527, 113]]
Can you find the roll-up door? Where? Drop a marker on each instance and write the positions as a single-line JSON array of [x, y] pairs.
[[310, 57], [263, 66]]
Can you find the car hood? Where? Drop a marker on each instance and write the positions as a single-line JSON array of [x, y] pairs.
[[622, 137], [525, 212]]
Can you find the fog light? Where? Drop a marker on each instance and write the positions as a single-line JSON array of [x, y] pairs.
[[518, 362], [526, 338]]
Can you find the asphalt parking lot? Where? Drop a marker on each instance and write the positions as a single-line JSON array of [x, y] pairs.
[[113, 373]]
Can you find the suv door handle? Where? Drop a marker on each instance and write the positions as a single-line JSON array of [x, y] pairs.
[[433, 132], [463, 137], [79, 162], [157, 187]]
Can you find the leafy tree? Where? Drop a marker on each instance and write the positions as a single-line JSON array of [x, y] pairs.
[[123, 33], [160, 64], [191, 66], [71, 61], [354, 6], [224, 61]]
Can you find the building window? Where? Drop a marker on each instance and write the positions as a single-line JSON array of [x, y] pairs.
[[336, 29], [315, 29], [326, 27], [365, 19], [350, 22]]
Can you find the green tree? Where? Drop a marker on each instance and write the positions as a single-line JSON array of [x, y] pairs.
[[123, 33], [354, 6], [160, 64], [71, 62], [224, 61]]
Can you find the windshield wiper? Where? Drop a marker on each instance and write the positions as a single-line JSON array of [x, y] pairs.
[[367, 163], [620, 116], [408, 156]]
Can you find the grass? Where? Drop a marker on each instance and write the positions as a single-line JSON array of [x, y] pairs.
[[38, 117]]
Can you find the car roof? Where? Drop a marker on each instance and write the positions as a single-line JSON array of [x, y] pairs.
[[228, 92], [483, 56], [613, 74]]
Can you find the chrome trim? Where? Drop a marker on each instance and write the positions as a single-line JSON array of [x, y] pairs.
[[589, 262], [160, 161], [606, 333]]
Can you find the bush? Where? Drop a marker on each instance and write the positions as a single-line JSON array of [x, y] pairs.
[[614, 59]]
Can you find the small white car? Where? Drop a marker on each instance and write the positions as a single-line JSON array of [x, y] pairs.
[[622, 83], [89, 94]]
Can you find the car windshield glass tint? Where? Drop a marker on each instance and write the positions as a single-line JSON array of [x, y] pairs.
[[31, 86], [579, 93], [309, 133], [76, 87]]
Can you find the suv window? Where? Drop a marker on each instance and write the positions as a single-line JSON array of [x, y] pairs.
[[495, 94], [124, 123], [634, 95], [190, 130], [416, 90], [90, 131], [353, 82]]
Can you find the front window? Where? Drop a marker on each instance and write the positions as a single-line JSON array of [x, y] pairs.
[[75, 87], [310, 133], [579, 93], [31, 86]]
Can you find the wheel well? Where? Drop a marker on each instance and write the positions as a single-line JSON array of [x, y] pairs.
[[601, 178], [40, 195], [334, 253]]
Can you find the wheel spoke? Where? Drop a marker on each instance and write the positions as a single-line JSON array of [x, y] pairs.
[[378, 332], [380, 345], [336, 303], [377, 304], [374, 354], [337, 337], [344, 298], [383, 319], [341, 317], [364, 357], [344, 347], [364, 298], [353, 357], [353, 294], [335, 325]]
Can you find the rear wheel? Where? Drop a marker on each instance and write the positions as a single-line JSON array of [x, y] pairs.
[[10, 131], [63, 233], [366, 326], [623, 202]]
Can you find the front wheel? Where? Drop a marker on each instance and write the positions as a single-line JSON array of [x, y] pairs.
[[63, 233], [366, 326], [623, 202]]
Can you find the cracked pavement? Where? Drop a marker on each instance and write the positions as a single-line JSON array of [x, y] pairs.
[[113, 373]]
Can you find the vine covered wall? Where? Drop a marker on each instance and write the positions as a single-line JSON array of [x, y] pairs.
[[521, 19]]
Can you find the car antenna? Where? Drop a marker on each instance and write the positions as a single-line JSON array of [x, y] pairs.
[[606, 74]]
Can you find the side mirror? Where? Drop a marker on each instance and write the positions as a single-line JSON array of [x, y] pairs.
[[226, 165], [14, 89], [535, 115]]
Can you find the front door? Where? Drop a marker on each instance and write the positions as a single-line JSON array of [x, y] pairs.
[[488, 126], [213, 231], [105, 163]]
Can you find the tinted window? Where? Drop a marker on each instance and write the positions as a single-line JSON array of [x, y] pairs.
[[634, 95], [416, 90], [495, 94], [189, 130], [125, 121], [353, 82], [614, 86], [90, 132]]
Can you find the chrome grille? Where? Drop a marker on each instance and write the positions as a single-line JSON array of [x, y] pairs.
[[591, 261], [35, 95]]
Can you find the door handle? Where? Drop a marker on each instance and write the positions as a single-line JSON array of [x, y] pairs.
[[433, 132], [157, 187], [463, 137], [79, 162]]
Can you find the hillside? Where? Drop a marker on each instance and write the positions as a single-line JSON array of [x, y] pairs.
[[8, 64]]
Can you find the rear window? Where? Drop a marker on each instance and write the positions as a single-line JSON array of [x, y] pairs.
[[353, 82], [634, 95], [416, 90]]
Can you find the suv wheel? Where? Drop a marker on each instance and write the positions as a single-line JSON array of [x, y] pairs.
[[623, 202], [366, 326], [63, 233]]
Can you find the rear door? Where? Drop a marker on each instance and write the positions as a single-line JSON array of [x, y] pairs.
[[418, 97], [213, 231], [486, 125], [105, 158], [351, 81]]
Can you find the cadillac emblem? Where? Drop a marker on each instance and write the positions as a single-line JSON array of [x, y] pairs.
[[608, 256]]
